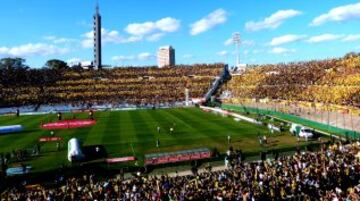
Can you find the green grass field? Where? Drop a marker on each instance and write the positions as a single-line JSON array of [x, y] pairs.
[[125, 133]]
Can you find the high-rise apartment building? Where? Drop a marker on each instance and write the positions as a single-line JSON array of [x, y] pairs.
[[166, 56]]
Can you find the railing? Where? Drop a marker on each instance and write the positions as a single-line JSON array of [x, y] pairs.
[[295, 119]]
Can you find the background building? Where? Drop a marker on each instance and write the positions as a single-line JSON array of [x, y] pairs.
[[166, 56]]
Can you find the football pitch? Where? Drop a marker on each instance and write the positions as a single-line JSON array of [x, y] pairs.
[[134, 132]]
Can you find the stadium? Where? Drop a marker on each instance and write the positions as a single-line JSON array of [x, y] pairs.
[[286, 131]]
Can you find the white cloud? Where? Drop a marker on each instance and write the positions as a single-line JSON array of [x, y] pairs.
[[108, 36], [4, 51], [140, 57], [111, 36], [223, 53], [131, 39], [32, 49], [87, 43], [286, 39], [187, 56], [151, 31], [248, 42], [59, 40], [228, 42], [213, 19], [168, 24], [145, 56], [338, 14], [323, 38], [281, 50], [50, 38], [351, 38], [140, 29], [75, 61], [122, 58], [164, 25], [155, 36], [273, 21]]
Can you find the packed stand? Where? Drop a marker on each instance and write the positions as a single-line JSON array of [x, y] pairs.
[[329, 174], [133, 85], [333, 81]]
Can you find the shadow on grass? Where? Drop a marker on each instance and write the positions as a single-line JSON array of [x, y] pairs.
[[94, 152]]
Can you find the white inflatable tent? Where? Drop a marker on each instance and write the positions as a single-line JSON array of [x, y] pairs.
[[74, 150]]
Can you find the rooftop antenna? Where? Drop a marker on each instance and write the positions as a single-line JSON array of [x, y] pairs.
[[97, 6], [236, 41]]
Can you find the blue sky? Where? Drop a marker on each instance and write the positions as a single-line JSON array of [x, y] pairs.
[[271, 31]]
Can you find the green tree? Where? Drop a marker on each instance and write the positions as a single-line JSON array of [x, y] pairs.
[[12, 63], [56, 64]]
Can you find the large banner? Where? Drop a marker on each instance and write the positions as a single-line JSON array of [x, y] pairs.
[[66, 124], [178, 156], [50, 139], [120, 159]]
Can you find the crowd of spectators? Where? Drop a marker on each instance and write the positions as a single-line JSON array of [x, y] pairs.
[[132, 85], [332, 81], [332, 173]]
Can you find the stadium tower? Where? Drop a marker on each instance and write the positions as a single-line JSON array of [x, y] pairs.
[[97, 38]]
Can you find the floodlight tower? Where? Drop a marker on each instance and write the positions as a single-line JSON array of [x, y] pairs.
[[236, 41]]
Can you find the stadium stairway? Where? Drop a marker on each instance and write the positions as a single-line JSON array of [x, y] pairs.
[[217, 83]]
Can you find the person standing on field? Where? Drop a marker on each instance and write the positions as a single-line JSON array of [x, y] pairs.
[[158, 143], [91, 114], [59, 116]]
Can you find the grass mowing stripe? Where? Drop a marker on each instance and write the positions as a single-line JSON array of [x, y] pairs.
[[112, 127], [168, 114], [236, 129], [96, 133], [195, 125], [87, 134], [20, 120], [162, 121], [111, 132], [201, 118], [181, 128], [24, 138], [125, 134], [229, 124], [117, 150], [12, 120], [152, 124], [141, 129]]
